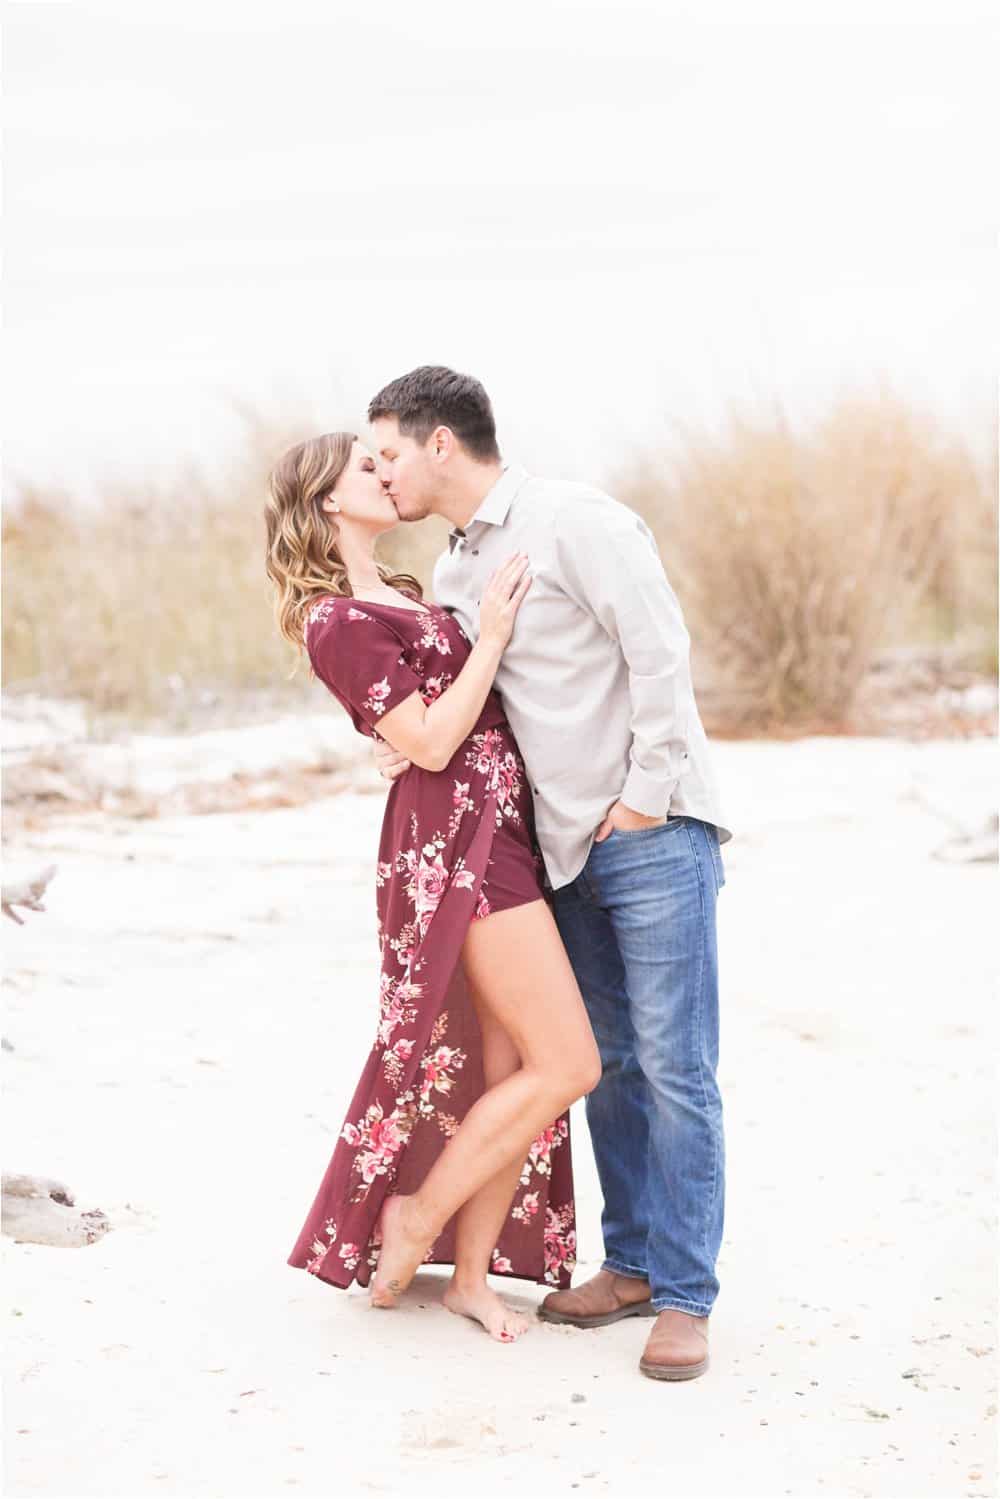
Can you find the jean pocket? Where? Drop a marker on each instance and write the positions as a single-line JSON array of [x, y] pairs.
[[720, 868], [658, 827]]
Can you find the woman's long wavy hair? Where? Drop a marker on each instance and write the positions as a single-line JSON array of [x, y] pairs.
[[303, 559]]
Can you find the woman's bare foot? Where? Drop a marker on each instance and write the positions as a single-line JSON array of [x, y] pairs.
[[405, 1241], [485, 1306]]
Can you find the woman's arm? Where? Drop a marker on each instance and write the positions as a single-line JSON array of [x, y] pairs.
[[430, 733]]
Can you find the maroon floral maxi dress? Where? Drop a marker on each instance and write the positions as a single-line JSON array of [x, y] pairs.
[[456, 845]]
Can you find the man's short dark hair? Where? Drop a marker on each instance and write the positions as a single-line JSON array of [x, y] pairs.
[[434, 396]]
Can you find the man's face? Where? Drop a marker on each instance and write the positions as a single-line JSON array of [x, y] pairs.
[[406, 469]]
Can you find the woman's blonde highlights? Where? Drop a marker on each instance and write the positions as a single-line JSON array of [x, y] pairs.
[[302, 558]]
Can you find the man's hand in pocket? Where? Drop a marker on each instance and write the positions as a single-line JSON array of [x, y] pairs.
[[626, 820], [389, 763]]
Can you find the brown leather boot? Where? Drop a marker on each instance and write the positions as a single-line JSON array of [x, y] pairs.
[[677, 1347], [603, 1299]]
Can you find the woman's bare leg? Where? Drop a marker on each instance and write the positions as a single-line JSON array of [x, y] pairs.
[[516, 961], [480, 1220]]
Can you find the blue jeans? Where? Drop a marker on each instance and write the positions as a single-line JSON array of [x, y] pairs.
[[638, 923]]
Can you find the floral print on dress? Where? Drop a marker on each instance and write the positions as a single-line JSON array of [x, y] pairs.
[[433, 876], [376, 1140], [433, 637], [317, 613], [560, 1243], [542, 1149], [361, 659], [377, 694], [434, 686]]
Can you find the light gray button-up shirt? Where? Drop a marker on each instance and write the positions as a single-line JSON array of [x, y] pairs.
[[595, 680]]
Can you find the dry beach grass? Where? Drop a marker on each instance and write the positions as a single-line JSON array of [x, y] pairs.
[[798, 555], [801, 554]]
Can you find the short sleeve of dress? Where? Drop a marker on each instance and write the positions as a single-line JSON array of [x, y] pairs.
[[360, 659]]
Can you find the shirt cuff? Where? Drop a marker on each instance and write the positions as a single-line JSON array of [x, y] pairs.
[[647, 793]]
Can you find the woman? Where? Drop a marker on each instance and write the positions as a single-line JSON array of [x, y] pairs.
[[455, 1148]]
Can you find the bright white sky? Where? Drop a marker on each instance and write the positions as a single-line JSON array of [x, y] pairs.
[[616, 214]]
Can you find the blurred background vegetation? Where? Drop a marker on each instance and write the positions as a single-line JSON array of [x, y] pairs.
[[800, 555]]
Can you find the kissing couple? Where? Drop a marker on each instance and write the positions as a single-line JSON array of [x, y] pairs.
[[546, 879]]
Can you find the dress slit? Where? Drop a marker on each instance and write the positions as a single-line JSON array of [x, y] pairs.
[[425, 1070]]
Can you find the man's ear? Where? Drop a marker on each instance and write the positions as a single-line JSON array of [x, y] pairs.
[[441, 444]]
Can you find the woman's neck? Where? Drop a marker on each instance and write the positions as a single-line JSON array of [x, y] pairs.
[[359, 563]]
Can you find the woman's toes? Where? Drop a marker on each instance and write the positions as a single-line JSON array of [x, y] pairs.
[[514, 1326], [508, 1330], [484, 1306]]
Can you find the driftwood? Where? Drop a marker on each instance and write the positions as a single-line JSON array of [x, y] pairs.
[[973, 845], [967, 845], [38, 1209], [27, 893]]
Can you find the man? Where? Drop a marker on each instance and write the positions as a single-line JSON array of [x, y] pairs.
[[596, 685]]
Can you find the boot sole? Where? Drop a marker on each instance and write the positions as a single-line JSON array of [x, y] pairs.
[[601, 1319], [675, 1371]]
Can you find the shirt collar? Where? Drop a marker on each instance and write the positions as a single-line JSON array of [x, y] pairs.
[[495, 503]]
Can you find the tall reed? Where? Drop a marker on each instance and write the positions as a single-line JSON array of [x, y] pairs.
[[799, 553]]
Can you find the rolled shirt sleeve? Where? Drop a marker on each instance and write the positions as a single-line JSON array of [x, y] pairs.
[[609, 564]]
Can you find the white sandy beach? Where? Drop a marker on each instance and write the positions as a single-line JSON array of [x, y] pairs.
[[188, 1019]]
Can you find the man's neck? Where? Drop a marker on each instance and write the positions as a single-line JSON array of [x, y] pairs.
[[466, 492]]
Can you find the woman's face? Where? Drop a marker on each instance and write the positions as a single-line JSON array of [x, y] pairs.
[[360, 494]]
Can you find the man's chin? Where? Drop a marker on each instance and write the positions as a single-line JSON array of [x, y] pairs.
[[409, 512]]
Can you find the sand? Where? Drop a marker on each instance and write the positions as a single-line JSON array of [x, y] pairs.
[[188, 1019]]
